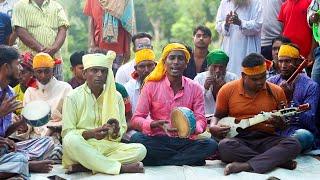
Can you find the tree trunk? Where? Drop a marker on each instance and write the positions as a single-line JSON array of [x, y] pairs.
[[156, 28]]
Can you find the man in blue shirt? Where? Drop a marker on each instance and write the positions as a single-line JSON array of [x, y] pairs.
[[5, 29], [302, 90], [12, 163]]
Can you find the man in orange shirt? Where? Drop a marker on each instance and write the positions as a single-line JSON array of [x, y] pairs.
[[256, 148]]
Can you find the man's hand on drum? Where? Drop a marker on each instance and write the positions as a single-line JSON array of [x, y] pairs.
[[219, 131], [9, 105], [164, 125]]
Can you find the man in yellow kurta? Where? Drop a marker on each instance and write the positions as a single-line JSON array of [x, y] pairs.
[[94, 121]]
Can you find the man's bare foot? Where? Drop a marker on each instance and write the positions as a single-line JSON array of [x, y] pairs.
[[291, 165], [77, 168], [44, 166], [132, 168], [236, 167]]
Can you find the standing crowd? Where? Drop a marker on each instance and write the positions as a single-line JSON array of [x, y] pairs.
[[113, 116]]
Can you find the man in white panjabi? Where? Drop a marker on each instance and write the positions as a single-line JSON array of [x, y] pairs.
[[48, 89], [212, 80], [239, 22]]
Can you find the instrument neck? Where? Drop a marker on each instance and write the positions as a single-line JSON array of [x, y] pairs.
[[264, 116]]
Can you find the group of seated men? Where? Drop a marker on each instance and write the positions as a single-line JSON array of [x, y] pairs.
[[100, 134]]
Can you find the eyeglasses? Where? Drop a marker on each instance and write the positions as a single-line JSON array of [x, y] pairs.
[[144, 46]]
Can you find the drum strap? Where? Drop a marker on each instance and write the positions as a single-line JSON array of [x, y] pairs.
[[273, 96]]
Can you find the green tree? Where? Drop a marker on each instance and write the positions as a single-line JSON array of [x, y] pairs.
[[77, 38]]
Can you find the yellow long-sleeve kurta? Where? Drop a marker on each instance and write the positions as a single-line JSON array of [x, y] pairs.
[[81, 112]]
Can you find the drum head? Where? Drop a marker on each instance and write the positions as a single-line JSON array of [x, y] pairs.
[[36, 113], [180, 121]]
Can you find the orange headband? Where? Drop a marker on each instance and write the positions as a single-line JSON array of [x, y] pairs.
[[254, 70]]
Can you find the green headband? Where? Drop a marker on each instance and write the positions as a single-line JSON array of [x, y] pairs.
[[217, 57]]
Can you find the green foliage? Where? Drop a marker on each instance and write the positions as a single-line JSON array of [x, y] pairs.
[[181, 31], [77, 38]]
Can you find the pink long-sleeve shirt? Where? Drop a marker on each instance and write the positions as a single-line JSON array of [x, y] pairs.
[[157, 99]]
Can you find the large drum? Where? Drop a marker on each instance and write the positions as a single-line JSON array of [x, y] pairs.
[[184, 120], [37, 113]]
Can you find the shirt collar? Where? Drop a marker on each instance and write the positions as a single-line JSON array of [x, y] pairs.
[[45, 2], [167, 82], [49, 85], [88, 90], [241, 87]]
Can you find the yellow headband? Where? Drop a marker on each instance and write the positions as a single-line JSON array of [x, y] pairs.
[[42, 60], [159, 71], [144, 55], [288, 51], [254, 70]]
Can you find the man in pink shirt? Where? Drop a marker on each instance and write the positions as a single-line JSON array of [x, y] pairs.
[[166, 88]]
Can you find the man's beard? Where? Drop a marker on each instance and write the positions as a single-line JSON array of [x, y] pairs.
[[241, 3], [12, 78], [141, 80]]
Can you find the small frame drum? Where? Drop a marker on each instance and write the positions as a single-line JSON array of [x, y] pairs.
[[184, 120], [37, 113]]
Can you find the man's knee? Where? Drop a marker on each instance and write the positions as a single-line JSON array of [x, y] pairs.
[[209, 145], [72, 141], [22, 157], [138, 137], [292, 145], [305, 138], [226, 149], [227, 144], [141, 151]]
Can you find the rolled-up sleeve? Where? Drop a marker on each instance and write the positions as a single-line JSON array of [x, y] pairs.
[[62, 17], [19, 15]]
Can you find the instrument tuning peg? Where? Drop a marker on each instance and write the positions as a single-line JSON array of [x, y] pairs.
[[291, 104], [282, 105]]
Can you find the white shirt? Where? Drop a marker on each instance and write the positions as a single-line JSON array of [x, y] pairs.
[[53, 93], [239, 42], [210, 103], [124, 72], [7, 6], [133, 89], [271, 27]]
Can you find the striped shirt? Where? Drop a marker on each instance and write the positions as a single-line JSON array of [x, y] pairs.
[[41, 22]]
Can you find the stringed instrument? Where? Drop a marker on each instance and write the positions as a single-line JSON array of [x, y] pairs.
[[303, 65], [263, 116]]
